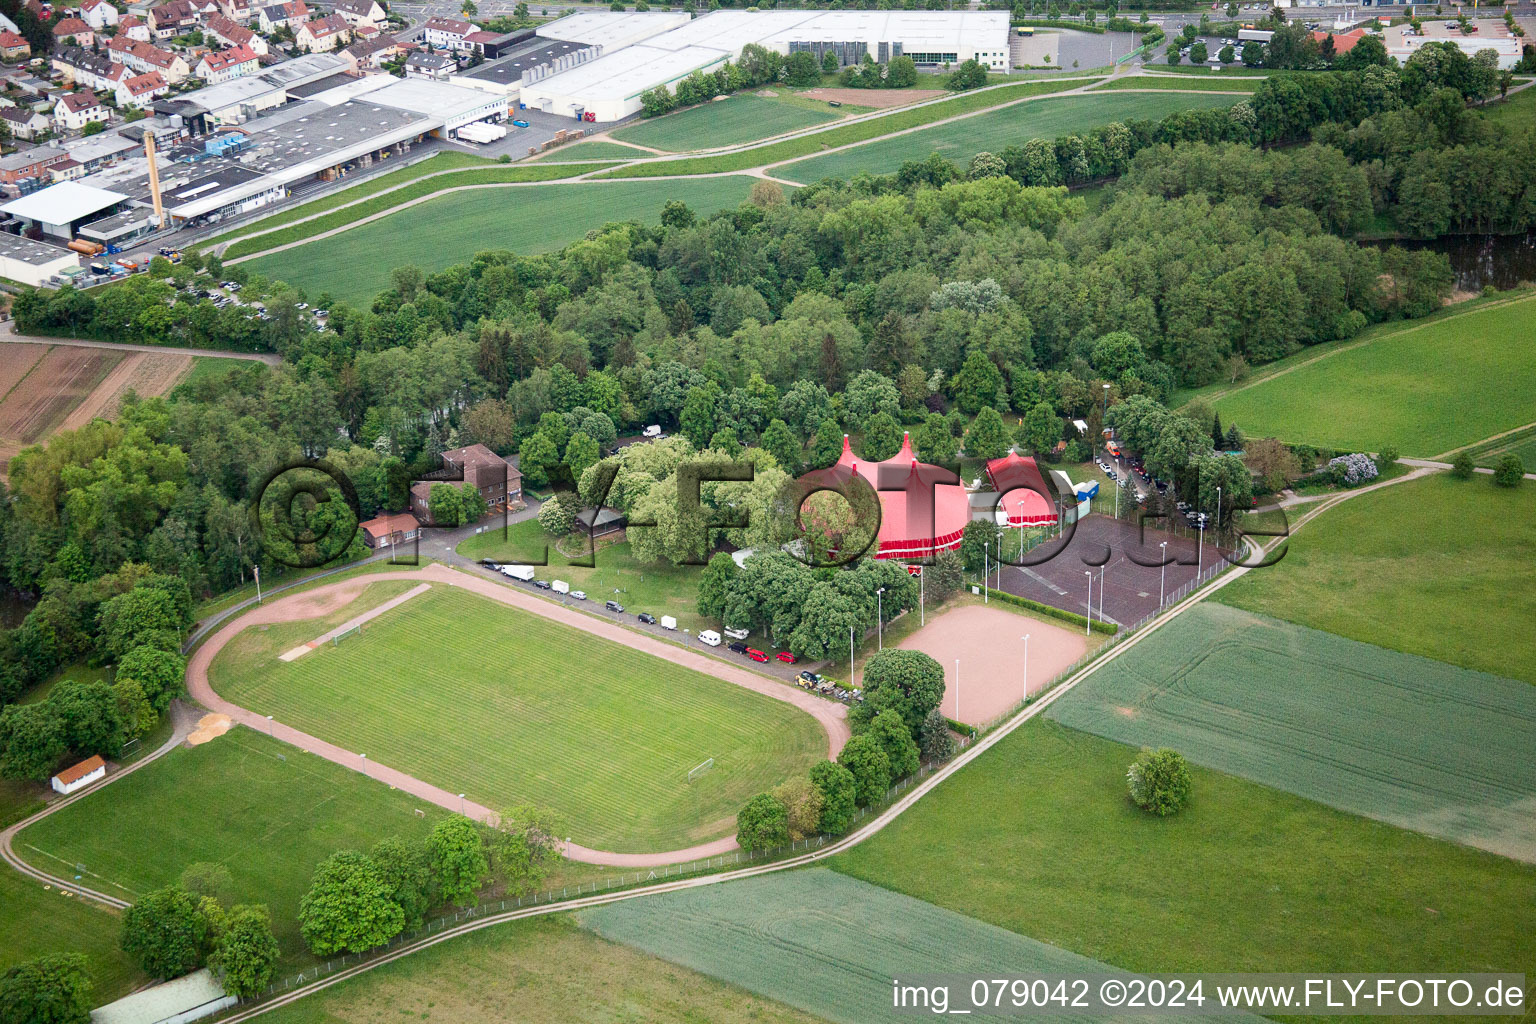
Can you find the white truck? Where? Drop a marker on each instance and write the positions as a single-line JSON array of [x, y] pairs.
[[668, 622], [483, 132], [560, 587], [518, 572]]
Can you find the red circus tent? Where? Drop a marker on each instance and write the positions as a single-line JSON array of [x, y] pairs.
[[1022, 490], [922, 511]]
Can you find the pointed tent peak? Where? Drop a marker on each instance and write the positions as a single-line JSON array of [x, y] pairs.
[[846, 446]]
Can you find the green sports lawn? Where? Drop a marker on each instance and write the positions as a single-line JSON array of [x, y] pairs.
[[1417, 743], [958, 141], [1426, 388], [265, 810], [1038, 836], [37, 920], [355, 265], [1437, 567], [510, 708], [741, 118]]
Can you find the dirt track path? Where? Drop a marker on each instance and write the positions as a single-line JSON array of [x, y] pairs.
[[323, 600]]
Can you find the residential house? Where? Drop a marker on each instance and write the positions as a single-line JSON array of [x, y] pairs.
[[449, 33], [371, 54], [389, 529], [143, 57], [231, 33], [223, 65], [240, 11], [75, 110], [323, 34], [173, 18], [365, 32], [67, 170], [72, 32], [290, 15], [14, 47], [477, 42], [142, 90], [24, 123], [133, 28], [99, 14], [79, 776], [360, 12], [436, 66]]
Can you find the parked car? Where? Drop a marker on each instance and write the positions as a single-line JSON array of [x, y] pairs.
[[541, 584], [738, 647], [787, 658], [647, 618], [580, 595], [736, 633], [809, 678], [755, 654], [519, 123], [302, 305], [613, 606]]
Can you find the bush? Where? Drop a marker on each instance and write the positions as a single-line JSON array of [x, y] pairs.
[[1388, 455], [1159, 781], [1463, 467], [1352, 469], [1510, 470]]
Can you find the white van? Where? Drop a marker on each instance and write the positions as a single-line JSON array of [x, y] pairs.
[[560, 587], [668, 622], [737, 634], [653, 432], [518, 572], [710, 637]]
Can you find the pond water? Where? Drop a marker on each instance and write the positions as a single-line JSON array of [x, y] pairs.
[[1482, 260]]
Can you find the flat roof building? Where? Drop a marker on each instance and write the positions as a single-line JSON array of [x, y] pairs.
[[57, 210], [22, 259]]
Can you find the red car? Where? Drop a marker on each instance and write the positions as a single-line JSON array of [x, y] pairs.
[[755, 654], [787, 658]]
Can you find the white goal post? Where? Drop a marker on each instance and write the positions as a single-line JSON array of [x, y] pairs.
[[695, 772]]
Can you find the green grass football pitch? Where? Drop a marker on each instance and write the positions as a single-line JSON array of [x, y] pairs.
[[823, 942], [1406, 740], [355, 265], [1425, 388], [1038, 836], [36, 921], [510, 708], [729, 122], [958, 141], [1438, 567], [265, 810]]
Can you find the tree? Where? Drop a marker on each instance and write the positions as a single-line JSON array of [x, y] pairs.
[[134, 710], [162, 674], [142, 616], [838, 793], [827, 447], [1159, 781], [978, 537], [348, 908], [167, 932], [1510, 470], [1463, 467], [943, 577], [1198, 54], [987, 438], [779, 442], [1040, 430], [901, 73], [934, 738], [458, 858], [762, 823], [31, 741], [445, 505], [882, 437], [538, 453], [581, 451], [829, 63], [893, 734], [979, 384], [1227, 55], [92, 722], [526, 845], [969, 75], [207, 878], [247, 952], [802, 69], [1174, 56], [53, 989], [866, 761], [910, 683], [802, 803], [714, 582], [406, 871], [557, 517], [1253, 54]]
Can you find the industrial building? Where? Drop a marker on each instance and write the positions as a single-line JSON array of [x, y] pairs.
[[609, 88], [34, 263]]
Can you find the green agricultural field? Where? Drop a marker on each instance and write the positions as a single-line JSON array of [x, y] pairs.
[[355, 265], [543, 969], [35, 921], [1521, 442], [215, 367], [509, 708], [595, 149], [1438, 567], [958, 141], [265, 810], [741, 118], [822, 941], [663, 589], [1038, 836], [1426, 388], [1403, 739]]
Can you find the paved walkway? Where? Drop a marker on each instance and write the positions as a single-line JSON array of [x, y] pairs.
[[325, 599]]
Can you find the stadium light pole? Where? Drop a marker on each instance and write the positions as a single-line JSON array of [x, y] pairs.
[[922, 596], [1162, 574], [850, 655], [270, 731], [461, 803], [957, 689], [1101, 590], [879, 620], [1088, 626], [986, 575], [1026, 666]]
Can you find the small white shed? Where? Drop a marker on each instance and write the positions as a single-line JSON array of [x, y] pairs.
[[79, 776]]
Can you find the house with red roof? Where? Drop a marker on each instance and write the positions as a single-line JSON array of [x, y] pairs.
[[72, 32], [14, 47], [142, 90], [224, 65]]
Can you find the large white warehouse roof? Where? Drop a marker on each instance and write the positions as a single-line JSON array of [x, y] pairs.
[[611, 29]]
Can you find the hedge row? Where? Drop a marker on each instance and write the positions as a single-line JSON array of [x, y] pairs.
[[1055, 613]]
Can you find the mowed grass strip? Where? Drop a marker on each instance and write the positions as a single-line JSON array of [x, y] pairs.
[[843, 135], [35, 921], [541, 969], [389, 200], [1038, 835], [732, 121], [1406, 740], [1140, 82], [594, 149], [1425, 388], [1521, 443], [509, 707], [355, 265], [995, 131], [1438, 567], [822, 941], [265, 810]]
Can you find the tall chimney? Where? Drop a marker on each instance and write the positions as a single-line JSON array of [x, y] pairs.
[[154, 177]]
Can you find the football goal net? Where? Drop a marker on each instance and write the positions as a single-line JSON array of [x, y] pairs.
[[694, 773]]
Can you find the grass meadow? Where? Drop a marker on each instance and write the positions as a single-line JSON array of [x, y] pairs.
[[510, 707], [1437, 567], [355, 265], [1038, 836], [741, 118], [591, 149], [1425, 387], [1521, 442], [265, 810], [1141, 82], [992, 132]]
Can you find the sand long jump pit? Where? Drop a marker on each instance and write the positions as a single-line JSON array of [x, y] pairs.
[[988, 643]]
